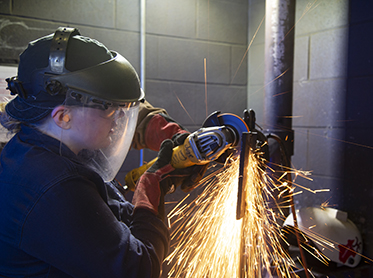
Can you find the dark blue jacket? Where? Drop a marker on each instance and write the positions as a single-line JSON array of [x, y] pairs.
[[59, 219]]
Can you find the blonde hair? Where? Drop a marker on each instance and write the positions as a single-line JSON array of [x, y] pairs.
[[14, 125], [11, 124]]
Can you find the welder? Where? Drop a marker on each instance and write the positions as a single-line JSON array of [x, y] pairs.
[[77, 107]]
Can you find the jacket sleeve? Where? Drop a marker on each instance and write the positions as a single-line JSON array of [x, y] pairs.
[[154, 126], [73, 228]]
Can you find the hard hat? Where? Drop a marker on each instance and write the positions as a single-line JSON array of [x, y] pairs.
[[69, 69], [65, 62], [331, 232]]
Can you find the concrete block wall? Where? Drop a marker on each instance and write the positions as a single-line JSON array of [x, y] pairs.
[[183, 37], [319, 89], [333, 74], [332, 97], [358, 150], [180, 40]]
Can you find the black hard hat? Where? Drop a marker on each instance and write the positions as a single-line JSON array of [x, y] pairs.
[[63, 62]]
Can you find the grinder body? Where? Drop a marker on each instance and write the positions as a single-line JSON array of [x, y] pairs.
[[221, 132]]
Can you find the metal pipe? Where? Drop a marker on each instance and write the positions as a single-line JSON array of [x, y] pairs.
[[278, 99], [279, 57], [142, 42]]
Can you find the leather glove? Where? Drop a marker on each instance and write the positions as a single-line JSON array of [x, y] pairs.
[[179, 138], [159, 128], [187, 178], [148, 194]]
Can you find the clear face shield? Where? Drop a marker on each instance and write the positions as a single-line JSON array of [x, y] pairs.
[[101, 131]]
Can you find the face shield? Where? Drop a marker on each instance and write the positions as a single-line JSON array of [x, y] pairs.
[[101, 131]]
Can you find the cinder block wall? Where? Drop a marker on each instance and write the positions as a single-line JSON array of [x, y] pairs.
[[187, 39], [183, 38], [333, 74], [358, 148], [332, 98]]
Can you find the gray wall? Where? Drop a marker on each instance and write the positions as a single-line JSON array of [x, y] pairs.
[[332, 98], [333, 75]]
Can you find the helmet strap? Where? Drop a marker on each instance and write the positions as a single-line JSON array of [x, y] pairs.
[[57, 54]]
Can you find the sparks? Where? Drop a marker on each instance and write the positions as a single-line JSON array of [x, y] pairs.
[[209, 236], [210, 242]]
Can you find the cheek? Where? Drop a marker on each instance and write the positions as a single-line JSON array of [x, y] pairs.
[[94, 132], [100, 133], [103, 126]]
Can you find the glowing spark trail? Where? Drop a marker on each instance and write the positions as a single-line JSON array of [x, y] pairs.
[[207, 243], [210, 242]]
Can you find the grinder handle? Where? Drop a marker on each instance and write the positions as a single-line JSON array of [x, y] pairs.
[[179, 160]]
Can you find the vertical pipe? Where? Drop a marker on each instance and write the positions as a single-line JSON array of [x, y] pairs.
[[142, 42], [278, 100], [279, 56], [142, 54]]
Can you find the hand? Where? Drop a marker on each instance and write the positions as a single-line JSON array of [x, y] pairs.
[[148, 193], [179, 138], [187, 178]]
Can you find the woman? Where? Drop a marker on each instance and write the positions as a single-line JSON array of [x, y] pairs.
[[74, 115]]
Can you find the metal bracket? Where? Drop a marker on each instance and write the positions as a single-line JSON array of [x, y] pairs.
[[57, 55]]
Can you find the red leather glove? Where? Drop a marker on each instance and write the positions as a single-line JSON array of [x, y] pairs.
[[187, 178], [148, 193], [160, 128]]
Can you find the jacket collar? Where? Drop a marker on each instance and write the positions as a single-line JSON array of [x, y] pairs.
[[37, 138]]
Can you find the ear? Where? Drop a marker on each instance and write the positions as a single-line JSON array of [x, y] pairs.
[[61, 116]]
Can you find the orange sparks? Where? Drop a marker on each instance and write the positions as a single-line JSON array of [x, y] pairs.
[[208, 241]]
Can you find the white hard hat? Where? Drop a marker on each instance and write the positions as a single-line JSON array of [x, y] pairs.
[[333, 234]]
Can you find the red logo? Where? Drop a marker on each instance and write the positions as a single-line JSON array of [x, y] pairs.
[[348, 250]]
